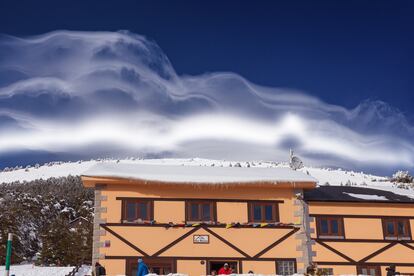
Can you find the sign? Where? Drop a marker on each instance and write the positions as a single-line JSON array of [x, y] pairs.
[[201, 239]]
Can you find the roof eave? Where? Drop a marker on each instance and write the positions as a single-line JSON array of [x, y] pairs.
[[93, 181]]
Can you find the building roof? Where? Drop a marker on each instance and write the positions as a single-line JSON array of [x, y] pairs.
[[354, 194], [198, 174]]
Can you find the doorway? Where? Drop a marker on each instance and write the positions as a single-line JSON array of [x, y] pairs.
[[214, 266], [155, 265]]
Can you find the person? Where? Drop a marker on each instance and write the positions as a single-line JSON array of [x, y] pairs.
[[391, 270], [99, 270], [250, 272], [225, 270], [311, 270], [213, 273], [142, 268]]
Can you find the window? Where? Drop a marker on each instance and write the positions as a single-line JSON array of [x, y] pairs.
[[371, 270], [396, 228], [330, 227], [325, 271], [200, 211], [263, 212], [286, 267], [137, 210]]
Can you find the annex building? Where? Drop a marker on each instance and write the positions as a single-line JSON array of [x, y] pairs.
[[193, 219]]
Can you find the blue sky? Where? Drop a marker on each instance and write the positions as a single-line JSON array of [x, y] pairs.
[[339, 53]]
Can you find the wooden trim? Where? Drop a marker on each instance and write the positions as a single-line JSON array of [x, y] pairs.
[[379, 251], [200, 199], [221, 225], [276, 243], [361, 240], [335, 251], [240, 267], [168, 246], [124, 240], [408, 245], [341, 226], [360, 216], [111, 257], [286, 259], [226, 242], [250, 210]]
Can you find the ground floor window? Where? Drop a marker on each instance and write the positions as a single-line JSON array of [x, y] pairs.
[[286, 267], [325, 271], [371, 270]]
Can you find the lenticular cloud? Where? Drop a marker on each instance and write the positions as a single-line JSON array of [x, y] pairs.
[[118, 92]]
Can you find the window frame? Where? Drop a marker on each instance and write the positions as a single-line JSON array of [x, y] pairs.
[[213, 211], [377, 269], [150, 210], [286, 260], [330, 235], [396, 236], [275, 211]]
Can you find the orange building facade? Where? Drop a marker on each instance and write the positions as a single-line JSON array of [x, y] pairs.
[[361, 236], [274, 224]]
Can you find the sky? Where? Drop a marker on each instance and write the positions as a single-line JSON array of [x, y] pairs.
[[349, 63]]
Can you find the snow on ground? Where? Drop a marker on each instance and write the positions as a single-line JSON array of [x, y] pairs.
[[31, 270], [84, 270], [325, 176]]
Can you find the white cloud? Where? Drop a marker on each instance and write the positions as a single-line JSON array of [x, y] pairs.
[[66, 91]]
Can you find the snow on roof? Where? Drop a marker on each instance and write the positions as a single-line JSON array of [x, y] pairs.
[[367, 197], [197, 174]]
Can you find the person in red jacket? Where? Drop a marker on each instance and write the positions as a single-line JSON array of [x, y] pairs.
[[225, 270]]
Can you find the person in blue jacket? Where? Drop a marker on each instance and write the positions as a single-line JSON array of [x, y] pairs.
[[142, 268]]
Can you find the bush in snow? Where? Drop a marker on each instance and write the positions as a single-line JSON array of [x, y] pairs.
[[402, 177]]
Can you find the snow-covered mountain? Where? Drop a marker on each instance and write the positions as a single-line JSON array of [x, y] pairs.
[[325, 176]]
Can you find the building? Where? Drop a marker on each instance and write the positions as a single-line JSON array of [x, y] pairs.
[[193, 219], [361, 231]]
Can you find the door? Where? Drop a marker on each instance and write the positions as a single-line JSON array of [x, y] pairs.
[[371, 270], [214, 266], [155, 265]]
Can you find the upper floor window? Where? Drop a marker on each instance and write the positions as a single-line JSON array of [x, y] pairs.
[[263, 212], [201, 211], [396, 228], [330, 227], [137, 210]]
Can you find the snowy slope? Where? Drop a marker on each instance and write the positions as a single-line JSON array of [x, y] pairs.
[[32, 270], [323, 175]]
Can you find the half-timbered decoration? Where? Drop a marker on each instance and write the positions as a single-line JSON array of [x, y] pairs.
[[361, 231], [193, 219]]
